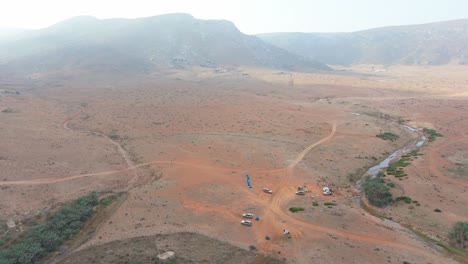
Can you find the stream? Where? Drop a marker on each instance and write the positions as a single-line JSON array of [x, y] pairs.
[[384, 163], [397, 154]]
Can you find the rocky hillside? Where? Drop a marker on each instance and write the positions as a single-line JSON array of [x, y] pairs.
[[141, 45], [427, 44]]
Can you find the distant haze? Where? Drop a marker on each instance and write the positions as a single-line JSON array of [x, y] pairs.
[[250, 17]]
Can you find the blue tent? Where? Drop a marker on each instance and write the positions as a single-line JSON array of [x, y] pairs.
[[247, 181]]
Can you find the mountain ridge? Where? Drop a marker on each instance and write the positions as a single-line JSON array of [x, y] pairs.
[[421, 44], [144, 44]]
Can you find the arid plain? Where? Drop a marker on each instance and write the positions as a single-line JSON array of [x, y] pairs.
[[177, 145]]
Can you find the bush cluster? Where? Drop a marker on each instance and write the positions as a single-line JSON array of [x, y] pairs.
[[296, 209], [396, 168], [388, 136], [405, 199], [431, 134], [45, 238], [377, 191]]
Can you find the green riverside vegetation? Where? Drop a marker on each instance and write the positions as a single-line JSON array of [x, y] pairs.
[[396, 168], [431, 134], [42, 239], [377, 192]]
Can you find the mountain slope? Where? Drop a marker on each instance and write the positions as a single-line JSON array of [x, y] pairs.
[[426, 44], [173, 40]]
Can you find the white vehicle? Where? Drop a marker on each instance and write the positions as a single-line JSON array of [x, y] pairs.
[[327, 191], [267, 190], [300, 192], [246, 223], [247, 215]]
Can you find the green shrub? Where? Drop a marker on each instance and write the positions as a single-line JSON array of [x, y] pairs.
[[437, 210], [113, 135], [315, 204], [376, 191], [296, 209], [353, 177], [329, 203], [404, 199], [391, 184], [396, 168], [108, 199], [8, 110], [47, 237], [431, 134], [388, 136]]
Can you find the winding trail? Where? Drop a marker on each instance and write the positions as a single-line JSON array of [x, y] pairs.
[[301, 155], [123, 153], [131, 166], [65, 123]]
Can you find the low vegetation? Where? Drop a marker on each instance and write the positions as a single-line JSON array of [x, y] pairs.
[[353, 177], [108, 199], [397, 168], [402, 121], [431, 134], [388, 136], [113, 135], [377, 191], [8, 110], [459, 234], [296, 209], [42, 239], [404, 199], [453, 251], [315, 204]]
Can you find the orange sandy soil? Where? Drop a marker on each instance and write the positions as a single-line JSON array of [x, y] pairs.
[[203, 132]]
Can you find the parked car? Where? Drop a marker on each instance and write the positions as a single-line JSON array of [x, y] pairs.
[[247, 215], [300, 192], [267, 190], [327, 191], [246, 222]]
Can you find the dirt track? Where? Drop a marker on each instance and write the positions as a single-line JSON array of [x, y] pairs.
[[132, 166]]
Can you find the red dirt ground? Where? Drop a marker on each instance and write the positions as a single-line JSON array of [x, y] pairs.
[[203, 132]]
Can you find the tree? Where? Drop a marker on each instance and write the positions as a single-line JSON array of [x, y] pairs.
[[459, 234]]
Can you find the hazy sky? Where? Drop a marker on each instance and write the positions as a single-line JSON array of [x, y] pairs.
[[250, 16]]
